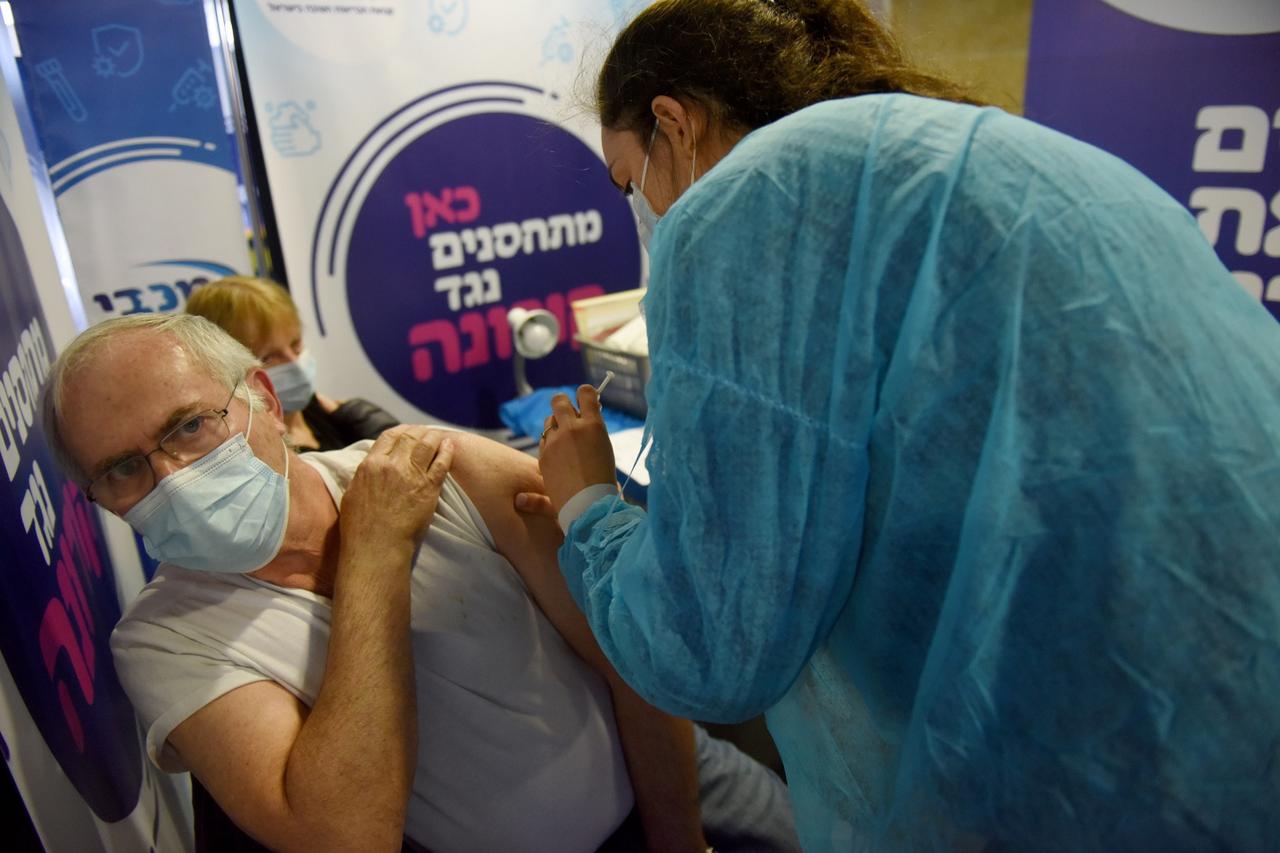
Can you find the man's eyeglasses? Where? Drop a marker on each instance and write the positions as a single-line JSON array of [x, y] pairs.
[[132, 479]]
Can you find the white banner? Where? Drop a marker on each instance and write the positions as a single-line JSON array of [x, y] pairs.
[[431, 167], [125, 100]]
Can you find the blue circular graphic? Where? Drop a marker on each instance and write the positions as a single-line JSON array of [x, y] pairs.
[[57, 590], [475, 216]]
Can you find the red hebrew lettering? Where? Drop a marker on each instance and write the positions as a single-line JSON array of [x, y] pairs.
[[486, 334], [472, 323], [76, 523], [454, 204], [471, 198], [441, 207], [416, 218], [501, 332], [72, 590], [585, 291], [555, 304], [440, 332], [56, 636]]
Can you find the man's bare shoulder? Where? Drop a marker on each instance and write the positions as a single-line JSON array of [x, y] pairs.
[[492, 474], [482, 463]]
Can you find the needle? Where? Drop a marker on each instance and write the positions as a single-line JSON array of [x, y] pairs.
[[608, 376]]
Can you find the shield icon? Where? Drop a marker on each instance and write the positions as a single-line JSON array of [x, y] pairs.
[[117, 50]]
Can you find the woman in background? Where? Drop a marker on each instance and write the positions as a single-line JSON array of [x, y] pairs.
[[261, 315]]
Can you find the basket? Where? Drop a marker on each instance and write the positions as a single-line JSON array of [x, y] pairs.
[[625, 392], [597, 316]]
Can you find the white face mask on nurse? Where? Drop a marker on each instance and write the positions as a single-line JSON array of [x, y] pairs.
[[654, 169]]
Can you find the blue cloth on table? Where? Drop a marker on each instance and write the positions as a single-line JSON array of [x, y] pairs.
[[526, 415], [966, 466]]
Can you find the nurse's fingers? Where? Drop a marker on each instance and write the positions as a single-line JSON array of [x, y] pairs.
[[563, 411], [589, 403], [535, 503]]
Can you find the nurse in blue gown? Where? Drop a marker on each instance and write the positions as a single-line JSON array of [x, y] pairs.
[[965, 454]]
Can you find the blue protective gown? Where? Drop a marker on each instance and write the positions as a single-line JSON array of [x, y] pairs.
[[966, 469]]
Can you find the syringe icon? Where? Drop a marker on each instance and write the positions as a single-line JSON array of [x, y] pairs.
[[51, 71]]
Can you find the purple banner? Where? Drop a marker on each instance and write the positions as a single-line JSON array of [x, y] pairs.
[[496, 230], [57, 590], [1189, 93], [482, 207]]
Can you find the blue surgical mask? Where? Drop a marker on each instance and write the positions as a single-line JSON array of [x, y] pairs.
[[295, 381], [225, 512]]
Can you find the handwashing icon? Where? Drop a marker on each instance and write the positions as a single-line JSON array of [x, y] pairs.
[[291, 132]]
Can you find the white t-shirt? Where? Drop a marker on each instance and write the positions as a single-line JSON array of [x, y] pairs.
[[517, 748]]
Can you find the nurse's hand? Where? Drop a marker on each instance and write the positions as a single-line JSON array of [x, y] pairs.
[[575, 451], [535, 503]]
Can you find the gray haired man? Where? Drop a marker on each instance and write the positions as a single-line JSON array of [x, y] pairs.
[[338, 676]]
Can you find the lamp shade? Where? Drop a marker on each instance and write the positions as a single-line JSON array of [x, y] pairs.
[[534, 333]]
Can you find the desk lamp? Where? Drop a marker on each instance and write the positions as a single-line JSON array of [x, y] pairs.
[[534, 334]]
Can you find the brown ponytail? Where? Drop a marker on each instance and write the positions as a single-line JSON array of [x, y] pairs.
[[751, 62]]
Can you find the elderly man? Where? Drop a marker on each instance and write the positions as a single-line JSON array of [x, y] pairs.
[[338, 676]]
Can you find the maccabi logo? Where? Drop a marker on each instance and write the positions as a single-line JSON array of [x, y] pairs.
[[57, 591], [482, 206], [173, 282]]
